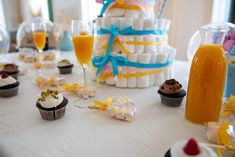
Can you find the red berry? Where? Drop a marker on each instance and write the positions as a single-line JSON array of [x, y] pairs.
[[191, 148], [4, 75]]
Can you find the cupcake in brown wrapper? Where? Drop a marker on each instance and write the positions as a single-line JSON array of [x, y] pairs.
[[9, 86], [50, 111], [171, 93], [65, 67], [11, 69]]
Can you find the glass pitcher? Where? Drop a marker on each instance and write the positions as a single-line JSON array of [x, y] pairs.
[[207, 77]]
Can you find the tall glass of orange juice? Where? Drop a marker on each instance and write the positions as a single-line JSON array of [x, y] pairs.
[[207, 76], [39, 38], [83, 40]]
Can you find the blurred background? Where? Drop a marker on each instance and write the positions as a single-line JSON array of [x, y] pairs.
[[186, 16]]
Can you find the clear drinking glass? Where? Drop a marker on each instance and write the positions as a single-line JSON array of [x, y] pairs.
[[83, 41], [4, 45], [39, 37]]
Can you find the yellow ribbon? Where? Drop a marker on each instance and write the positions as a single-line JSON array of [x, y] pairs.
[[229, 107], [224, 138], [137, 74], [119, 45], [97, 104], [118, 42], [123, 5]]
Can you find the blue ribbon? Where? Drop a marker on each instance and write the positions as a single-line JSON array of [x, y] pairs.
[[129, 31], [122, 61], [106, 4], [100, 61]]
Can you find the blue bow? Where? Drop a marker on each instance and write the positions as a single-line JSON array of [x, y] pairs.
[[106, 4], [99, 62]]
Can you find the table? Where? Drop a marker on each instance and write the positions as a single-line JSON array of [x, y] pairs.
[[92, 133]]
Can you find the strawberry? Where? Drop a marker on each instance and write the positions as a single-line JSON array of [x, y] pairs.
[[4, 75], [191, 148]]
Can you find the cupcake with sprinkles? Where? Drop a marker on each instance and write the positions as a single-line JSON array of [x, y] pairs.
[[51, 105], [171, 93]]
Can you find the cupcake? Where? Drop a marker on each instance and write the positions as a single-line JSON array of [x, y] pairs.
[[65, 67], [171, 93], [11, 69], [190, 148], [8, 86], [51, 105]]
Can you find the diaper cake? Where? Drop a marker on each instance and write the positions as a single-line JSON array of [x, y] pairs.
[[131, 46]]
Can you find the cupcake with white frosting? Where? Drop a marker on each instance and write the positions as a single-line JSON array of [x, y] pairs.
[[51, 105], [190, 148], [9, 86]]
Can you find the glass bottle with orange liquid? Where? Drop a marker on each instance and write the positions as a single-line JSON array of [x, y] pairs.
[[39, 38], [83, 41], [207, 77]]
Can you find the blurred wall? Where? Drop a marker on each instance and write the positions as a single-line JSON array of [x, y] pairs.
[[2, 15], [12, 12], [186, 16], [69, 8]]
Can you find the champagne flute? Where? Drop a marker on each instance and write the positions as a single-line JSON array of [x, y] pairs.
[[83, 40], [39, 37]]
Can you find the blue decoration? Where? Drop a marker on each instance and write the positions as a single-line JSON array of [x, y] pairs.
[[106, 4], [100, 61], [65, 43]]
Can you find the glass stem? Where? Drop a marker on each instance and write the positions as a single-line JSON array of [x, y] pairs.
[[85, 92], [40, 61]]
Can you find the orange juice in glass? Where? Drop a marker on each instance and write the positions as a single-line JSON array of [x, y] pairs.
[[83, 41], [83, 46], [207, 76], [39, 37]]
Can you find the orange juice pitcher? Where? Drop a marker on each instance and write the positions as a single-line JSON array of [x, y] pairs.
[[207, 76]]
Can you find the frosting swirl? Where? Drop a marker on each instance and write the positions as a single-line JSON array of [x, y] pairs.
[[170, 87], [50, 99], [177, 150], [4, 81]]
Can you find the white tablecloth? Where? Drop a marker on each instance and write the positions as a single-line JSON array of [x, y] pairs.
[[92, 133]]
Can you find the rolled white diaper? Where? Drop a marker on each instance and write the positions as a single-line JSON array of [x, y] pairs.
[[122, 82], [132, 13], [116, 22], [150, 24], [160, 77], [152, 61], [124, 23], [132, 81], [143, 81], [139, 25], [116, 12]]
